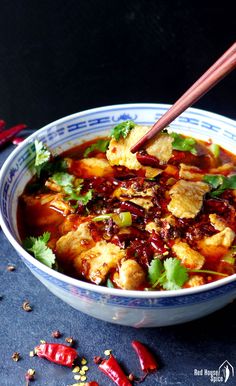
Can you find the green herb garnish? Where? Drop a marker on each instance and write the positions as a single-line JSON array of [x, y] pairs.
[[122, 130], [38, 246], [220, 183], [109, 283], [42, 156], [72, 186], [183, 144], [101, 145], [171, 275]]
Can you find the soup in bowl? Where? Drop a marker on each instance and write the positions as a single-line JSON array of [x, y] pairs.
[[144, 239]]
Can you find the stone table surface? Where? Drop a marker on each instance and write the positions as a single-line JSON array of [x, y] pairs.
[[203, 344]]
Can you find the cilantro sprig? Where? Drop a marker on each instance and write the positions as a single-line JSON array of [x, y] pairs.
[[170, 274], [101, 145], [42, 156], [122, 129], [38, 247], [72, 187], [183, 144], [220, 183]]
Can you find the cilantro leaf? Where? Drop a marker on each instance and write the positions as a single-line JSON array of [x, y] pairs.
[[154, 270], [101, 145], [171, 275], [72, 186], [220, 183], [175, 274], [122, 130], [42, 156], [85, 198], [183, 144], [38, 246], [63, 178]]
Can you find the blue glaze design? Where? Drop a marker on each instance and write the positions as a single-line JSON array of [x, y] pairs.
[[124, 117]]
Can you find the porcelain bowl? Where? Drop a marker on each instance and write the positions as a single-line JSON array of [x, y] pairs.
[[132, 308]]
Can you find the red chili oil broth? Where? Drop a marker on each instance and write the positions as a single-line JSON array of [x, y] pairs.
[[42, 218]]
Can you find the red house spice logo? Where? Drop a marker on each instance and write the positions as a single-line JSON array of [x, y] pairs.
[[221, 375]]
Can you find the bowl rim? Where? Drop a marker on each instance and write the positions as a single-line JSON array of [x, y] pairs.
[[90, 286]]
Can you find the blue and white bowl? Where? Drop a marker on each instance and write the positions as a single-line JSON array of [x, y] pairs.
[[132, 308]]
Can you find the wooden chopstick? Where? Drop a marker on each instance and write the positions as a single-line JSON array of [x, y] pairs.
[[222, 67]]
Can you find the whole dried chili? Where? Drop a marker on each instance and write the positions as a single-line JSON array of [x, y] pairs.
[[57, 353], [91, 384], [7, 135], [112, 369], [147, 361], [2, 124]]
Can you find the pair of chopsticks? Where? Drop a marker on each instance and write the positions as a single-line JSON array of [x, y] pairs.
[[222, 67]]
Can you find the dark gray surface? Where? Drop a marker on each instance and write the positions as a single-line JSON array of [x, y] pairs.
[[204, 343]]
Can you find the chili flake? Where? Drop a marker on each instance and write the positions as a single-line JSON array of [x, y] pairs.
[[70, 340], [26, 306], [76, 369], [16, 356], [107, 352], [56, 334], [11, 267], [30, 375]]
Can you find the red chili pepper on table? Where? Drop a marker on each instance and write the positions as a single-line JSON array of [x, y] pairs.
[[147, 361], [57, 353], [7, 135], [91, 384], [2, 124], [112, 369]]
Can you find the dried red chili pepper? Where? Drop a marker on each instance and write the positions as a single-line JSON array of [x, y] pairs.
[[112, 369], [7, 135], [91, 384], [147, 160], [147, 361], [2, 124], [57, 353]]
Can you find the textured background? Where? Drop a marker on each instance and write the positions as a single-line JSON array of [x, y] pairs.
[[59, 57]]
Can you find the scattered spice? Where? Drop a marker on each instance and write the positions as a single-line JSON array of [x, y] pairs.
[[11, 267], [83, 378], [32, 354], [76, 369], [83, 361], [42, 341], [30, 375], [26, 306], [57, 353], [77, 377], [56, 334], [107, 352], [16, 356], [97, 359], [70, 340]]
